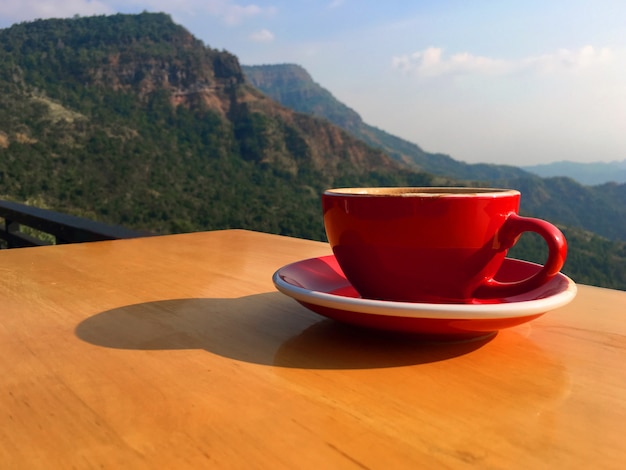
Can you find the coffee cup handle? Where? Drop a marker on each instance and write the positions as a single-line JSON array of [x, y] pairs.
[[508, 235]]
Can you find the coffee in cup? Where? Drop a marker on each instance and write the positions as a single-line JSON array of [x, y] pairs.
[[438, 245]]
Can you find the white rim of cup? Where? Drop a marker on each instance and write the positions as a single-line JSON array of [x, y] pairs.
[[426, 191]]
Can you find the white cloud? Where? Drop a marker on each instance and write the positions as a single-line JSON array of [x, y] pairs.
[[230, 12], [263, 35], [235, 14], [431, 62], [12, 11], [335, 4], [586, 57]]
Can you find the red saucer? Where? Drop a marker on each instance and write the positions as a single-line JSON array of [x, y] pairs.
[[320, 285]]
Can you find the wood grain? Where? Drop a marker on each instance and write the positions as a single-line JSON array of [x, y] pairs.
[[177, 352]]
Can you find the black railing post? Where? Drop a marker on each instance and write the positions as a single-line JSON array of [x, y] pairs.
[[11, 228]]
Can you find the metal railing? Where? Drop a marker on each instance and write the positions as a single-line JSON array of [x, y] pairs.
[[60, 228]]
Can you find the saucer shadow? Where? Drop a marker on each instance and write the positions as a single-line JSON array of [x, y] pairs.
[[268, 329]]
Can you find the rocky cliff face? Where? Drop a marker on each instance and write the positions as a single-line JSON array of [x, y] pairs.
[[292, 86], [284, 78]]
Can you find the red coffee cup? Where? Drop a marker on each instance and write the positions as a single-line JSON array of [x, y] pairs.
[[437, 245]]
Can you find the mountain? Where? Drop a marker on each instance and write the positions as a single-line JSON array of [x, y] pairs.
[[292, 86], [585, 173], [600, 209], [129, 119]]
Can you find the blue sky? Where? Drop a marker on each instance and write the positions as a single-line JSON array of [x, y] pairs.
[[485, 81]]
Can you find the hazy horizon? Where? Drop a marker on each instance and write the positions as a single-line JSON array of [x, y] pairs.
[[505, 82]]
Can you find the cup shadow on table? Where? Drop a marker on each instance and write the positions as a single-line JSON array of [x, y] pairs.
[[268, 329]]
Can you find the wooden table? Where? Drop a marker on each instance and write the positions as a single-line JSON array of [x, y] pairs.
[[177, 351]]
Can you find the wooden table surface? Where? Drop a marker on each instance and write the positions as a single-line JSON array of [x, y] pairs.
[[177, 352]]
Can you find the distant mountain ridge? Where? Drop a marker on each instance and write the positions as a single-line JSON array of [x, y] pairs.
[[595, 173], [292, 86], [600, 209]]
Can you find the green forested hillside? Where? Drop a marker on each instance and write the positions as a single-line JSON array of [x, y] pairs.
[[129, 119]]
